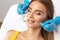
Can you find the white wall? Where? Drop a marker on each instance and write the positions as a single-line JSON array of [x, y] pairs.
[[5, 5], [57, 7]]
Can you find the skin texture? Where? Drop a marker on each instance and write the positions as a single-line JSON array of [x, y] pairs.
[[36, 13]]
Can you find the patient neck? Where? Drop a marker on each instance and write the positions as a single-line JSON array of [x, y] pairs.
[[34, 33]]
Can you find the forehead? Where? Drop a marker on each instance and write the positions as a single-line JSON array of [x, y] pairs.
[[37, 5]]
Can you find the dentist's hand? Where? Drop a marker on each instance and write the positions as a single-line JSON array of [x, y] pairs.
[[22, 7], [50, 25]]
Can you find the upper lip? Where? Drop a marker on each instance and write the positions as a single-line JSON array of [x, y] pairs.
[[31, 20]]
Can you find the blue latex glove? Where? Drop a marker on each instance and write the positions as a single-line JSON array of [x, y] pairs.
[[50, 25], [22, 7], [57, 20]]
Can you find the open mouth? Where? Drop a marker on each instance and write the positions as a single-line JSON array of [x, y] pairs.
[[31, 21]]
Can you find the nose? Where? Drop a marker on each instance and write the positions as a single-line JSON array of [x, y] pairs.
[[31, 15]]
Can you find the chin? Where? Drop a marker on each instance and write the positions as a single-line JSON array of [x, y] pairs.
[[32, 26]]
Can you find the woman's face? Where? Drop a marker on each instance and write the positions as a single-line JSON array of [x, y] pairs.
[[36, 13]]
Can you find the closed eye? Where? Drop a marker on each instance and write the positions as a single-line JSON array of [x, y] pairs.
[[28, 10], [38, 13]]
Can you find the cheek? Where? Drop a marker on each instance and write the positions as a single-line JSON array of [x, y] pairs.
[[40, 19]]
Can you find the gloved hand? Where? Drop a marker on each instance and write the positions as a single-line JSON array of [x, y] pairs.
[[22, 7], [57, 20], [50, 25]]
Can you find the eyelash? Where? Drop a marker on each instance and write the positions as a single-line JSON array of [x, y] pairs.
[[38, 13], [28, 10]]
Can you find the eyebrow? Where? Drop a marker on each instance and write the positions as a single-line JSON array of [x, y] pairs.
[[36, 10]]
